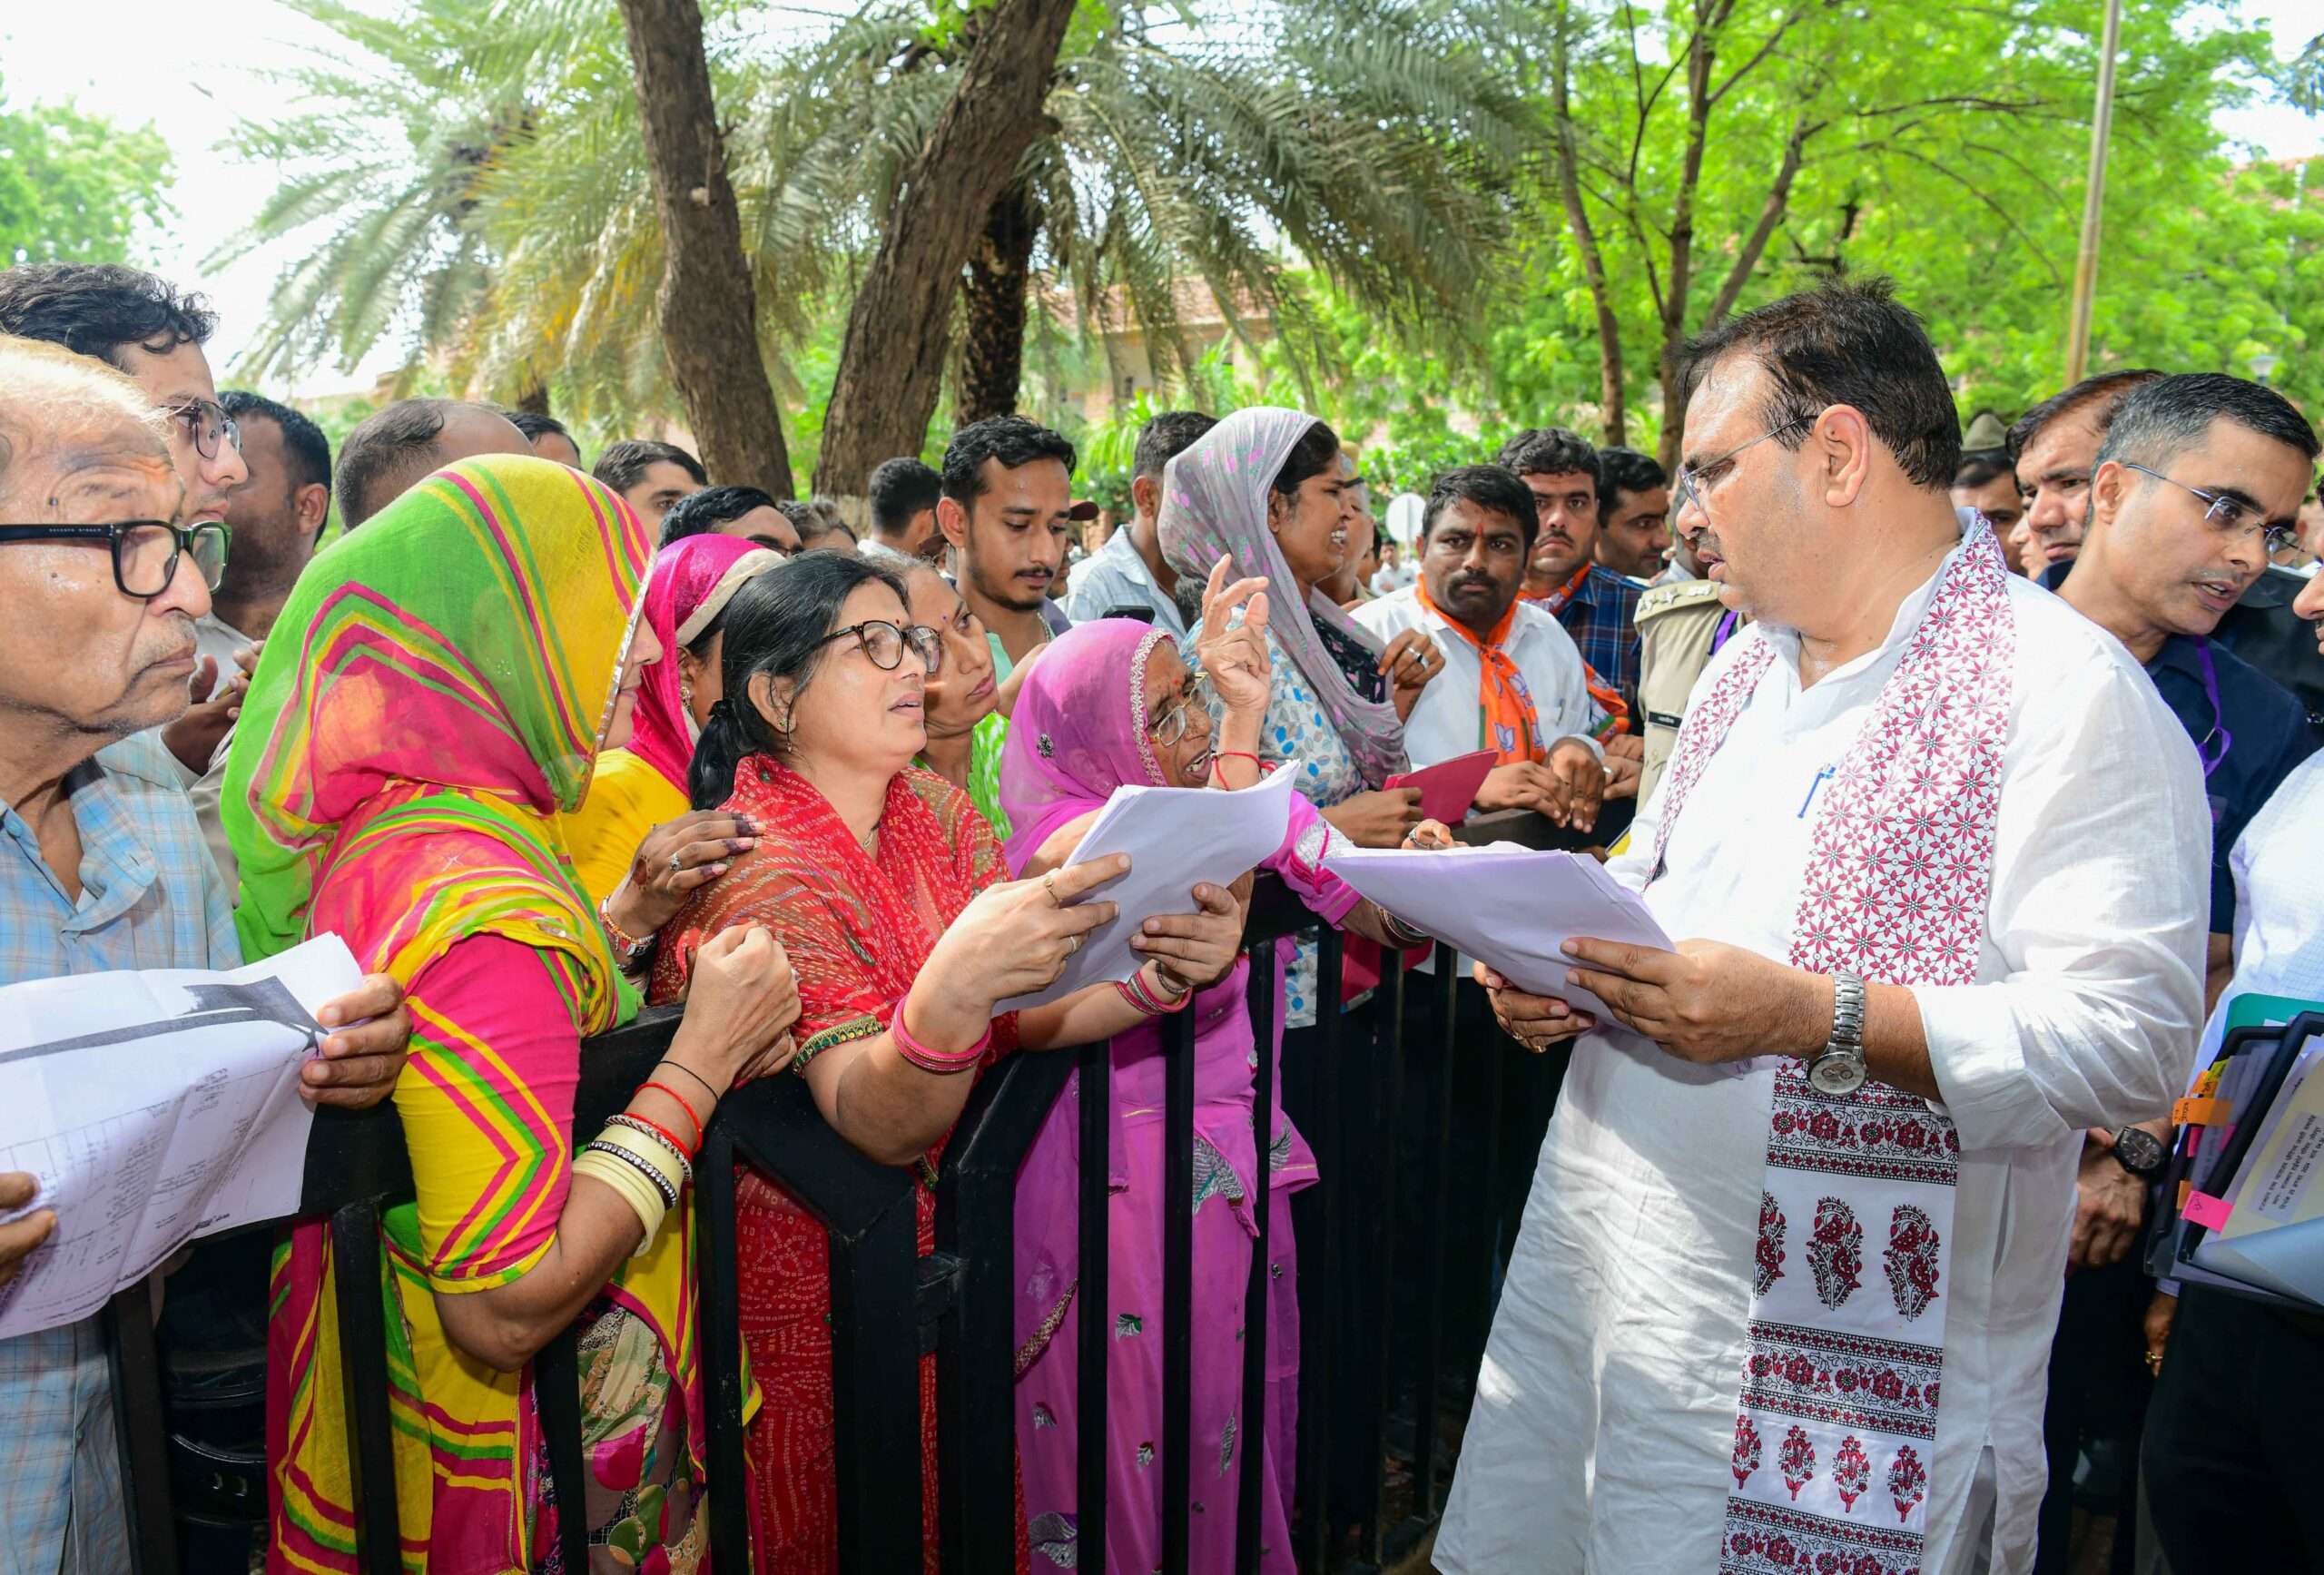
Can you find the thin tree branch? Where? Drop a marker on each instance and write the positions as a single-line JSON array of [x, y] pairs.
[[1790, 20], [1998, 211]]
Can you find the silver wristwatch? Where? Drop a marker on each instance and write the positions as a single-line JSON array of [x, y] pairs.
[[1837, 1069]]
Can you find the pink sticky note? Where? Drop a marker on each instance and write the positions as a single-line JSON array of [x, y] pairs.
[[2210, 1212]]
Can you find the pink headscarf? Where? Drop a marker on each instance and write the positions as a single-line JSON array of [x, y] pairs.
[[690, 586], [1078, 732]]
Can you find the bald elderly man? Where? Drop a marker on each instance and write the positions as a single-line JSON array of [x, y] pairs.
[[101, 865]]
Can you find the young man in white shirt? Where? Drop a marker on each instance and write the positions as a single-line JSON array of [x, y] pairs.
[[1475, 538]]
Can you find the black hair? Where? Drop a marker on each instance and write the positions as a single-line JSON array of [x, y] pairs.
[[624, 465], [385, 444], [1621, 470], [1011, 439], [96, 308], [2106, 391], [1164, 438], [1493, 488], [1549, 451], [1982, 465], [303, 443], [776, 624], [536, 425], [1318, 450], [821, 527], [700, 512], [2162, 420], [901, 489], [1845, 342]]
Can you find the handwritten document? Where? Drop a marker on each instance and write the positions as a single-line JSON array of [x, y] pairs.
[[1175, 839], [154, 1107]]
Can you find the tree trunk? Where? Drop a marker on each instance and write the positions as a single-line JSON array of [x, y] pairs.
[[891, 361], [992, 358], [1585, 239], [706, 308]]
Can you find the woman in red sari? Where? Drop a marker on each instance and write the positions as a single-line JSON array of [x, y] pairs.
[[888, 892]]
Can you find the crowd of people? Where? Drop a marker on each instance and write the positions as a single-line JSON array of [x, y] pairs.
[[1970, 773]]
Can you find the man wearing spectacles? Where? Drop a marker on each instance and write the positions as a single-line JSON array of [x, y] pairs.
[[1930, 847], [101, 864], [144, 328]]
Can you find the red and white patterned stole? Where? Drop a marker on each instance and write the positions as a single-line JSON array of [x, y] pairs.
[[1837, 1415]]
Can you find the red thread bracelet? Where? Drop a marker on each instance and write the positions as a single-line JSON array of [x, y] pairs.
[[664, 1133], [672, 1093], [1256, 763], [938, 1061]]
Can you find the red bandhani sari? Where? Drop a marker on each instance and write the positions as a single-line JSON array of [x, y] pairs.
[[858, 927]]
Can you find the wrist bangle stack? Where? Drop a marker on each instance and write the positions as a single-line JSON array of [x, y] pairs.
[[941, 1062], [629, 952], [1139, 994], [1402, 933]]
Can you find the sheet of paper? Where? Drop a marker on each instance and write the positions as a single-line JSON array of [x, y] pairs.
[[1175, 838], [1512, 907], [154, 1107]]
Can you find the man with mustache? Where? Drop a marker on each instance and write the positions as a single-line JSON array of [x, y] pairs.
[[1597, 606], [2053, 448], [1006, 511], [1512, 681]]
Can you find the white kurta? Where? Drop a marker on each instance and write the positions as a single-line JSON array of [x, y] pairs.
[[1449, 718], [1606, 1406]]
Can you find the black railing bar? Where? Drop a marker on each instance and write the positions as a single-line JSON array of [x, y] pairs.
[[976, 1230], [1093, 1338], [717, 1280], [1251, 1430], [1384, 1282], [1178, 1291], [557, 1390], [875, 1395], [141, 1428], [363, 1354], [1429, 1348]]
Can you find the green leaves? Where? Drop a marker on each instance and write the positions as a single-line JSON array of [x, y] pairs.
[[77, 187]]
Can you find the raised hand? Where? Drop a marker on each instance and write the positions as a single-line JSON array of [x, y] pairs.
[[1410, 660], [1234, 659], [677, 859]]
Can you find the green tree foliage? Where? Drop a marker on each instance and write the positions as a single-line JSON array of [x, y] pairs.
[[76, 187]]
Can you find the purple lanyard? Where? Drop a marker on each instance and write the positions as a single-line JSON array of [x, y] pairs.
[[1719, 636], [2226, 740]]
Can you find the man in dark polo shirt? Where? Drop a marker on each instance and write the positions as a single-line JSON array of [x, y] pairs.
[[2196, 480]]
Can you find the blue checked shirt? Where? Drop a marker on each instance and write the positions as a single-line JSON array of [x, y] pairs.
[[1602, 618], [149, 898]]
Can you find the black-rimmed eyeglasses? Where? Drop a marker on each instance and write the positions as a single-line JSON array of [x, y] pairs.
[[885, 643], [2225, 512], [206, 425], [144, 551]]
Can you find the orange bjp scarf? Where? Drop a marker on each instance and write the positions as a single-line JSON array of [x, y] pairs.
[[1511, 727]]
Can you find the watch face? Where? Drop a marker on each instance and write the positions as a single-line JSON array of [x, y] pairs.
[[1837, 1072], [2140, 1151]]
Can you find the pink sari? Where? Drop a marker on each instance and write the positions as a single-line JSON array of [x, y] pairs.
[[1080, 731]]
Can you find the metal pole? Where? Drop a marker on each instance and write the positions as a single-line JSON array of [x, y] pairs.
[[2094, 201]]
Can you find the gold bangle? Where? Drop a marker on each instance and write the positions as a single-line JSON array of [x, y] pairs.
[[629, 1140], [631, 1188]]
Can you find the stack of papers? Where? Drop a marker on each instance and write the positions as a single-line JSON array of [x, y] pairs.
[[1176, 837], [1512, 907], [2251, 1217]]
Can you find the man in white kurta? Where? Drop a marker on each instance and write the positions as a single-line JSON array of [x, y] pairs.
[[1606, 1434]]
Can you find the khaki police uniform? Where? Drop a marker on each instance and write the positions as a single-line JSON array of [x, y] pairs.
[[1675, 626]]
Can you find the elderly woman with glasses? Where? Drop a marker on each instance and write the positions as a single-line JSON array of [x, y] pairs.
[[886, 889], [1112, 703]]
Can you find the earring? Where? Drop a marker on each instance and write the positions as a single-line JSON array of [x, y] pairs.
[[686, 691]]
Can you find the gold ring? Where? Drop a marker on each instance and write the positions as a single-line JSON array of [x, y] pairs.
[[1048, 884]]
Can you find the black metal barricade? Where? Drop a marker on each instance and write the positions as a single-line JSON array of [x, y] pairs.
[[1389, 1133]]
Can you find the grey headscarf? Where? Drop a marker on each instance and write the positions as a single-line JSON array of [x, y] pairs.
[[1214, 504]]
